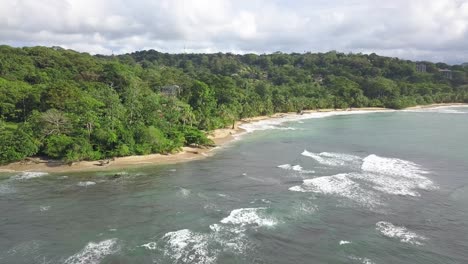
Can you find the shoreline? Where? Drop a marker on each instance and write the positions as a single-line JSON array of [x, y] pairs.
[[221, 137]]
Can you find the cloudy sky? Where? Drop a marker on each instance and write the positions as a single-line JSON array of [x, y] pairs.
[[435, 30]]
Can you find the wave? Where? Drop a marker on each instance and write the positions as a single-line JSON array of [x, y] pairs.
[[340, 185], [388, 175], [395, 176], [392, 166], [361, 260], [332, 159], [249, 216], [441, 110], [44, 208], [184, 193], [86, 183], [297, 168], [276, 123], [401, 233], [188, 247], [344, 242], [93, 253], [26, 175]]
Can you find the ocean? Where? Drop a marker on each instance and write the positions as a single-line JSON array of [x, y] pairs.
[[348, 187]]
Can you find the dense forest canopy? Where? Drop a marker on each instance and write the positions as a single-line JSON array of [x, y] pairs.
[[74, 106]]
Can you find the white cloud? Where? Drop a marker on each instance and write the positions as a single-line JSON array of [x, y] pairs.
[[416, 29]]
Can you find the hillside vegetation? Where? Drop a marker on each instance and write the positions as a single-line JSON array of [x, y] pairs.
[[74, 106]]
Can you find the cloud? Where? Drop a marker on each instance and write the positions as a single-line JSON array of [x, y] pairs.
[[434, 30]]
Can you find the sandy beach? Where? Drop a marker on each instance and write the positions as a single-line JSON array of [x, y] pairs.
[[220, 137]]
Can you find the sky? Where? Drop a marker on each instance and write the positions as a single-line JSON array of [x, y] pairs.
[[433, 30]]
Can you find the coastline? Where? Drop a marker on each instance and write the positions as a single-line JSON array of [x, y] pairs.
[[221, 137]]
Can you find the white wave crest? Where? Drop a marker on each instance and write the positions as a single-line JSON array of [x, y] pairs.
[[93, 253], [344, 242], [339, 185], [26, 175], [44, 208], [297, 168], [332, 159], [362, 260], [182, 192], [392, 166], [401, 233], [395, 176], [86, 183], [188, 247], [441, 110], [275, 123], [249, 216]]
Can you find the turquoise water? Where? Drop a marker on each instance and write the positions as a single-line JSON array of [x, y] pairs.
[[389, 187]]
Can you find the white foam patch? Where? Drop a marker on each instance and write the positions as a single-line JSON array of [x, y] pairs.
[[401, 233], [184, 193], [44, 208], [332, 159], [297, 168], [29, 175], [150, 246], [94, 253], [395, 176], [276, 123], [344, 242], [338, 185], [186, 246], [461, 109], [362, 260], [86, 183], [249, 216]]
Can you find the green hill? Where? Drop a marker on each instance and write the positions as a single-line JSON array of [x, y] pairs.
[[74, 106]]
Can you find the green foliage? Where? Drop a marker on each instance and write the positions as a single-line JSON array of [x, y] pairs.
[[74, 106]]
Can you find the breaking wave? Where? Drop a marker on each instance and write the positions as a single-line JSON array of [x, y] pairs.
[[297, 168], [401, 233], [86, 183], [184, 193], [187, 246], [26, 175], [332, 159], [276, 123], [361, 260], [462, 109], [93, 253], [339, 185], [249, 216], [373, 175]]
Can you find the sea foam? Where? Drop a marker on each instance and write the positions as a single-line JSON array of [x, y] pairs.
[[93, 253], [86, 183], [332, 159], [26, 175], [401, 233], [249, 216], [188, 247], [339, 185], [395, 176], [276, 123], [297, 168]]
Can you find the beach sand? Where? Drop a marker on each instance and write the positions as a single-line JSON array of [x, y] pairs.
[[220, 137]]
